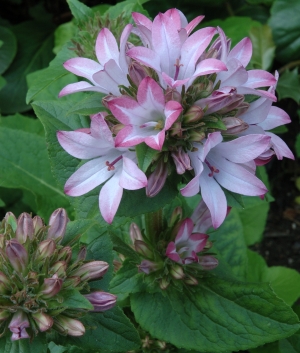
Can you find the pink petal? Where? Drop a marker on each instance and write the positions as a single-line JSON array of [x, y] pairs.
[[213, 139], [257, 112], [209, 66], [172, 111], [129, 136], [83, 67], [197, 241], [260, 78], [171, 252], [150, 95], [174, 83], [176, 17], [128, 111], [156, 141], [100, 130], [123, 41], [192, 188], [106, 47], [141, 19], [235, 76], [184, 231], [132, 178], [242, 51], [276, 117], [257, 92], [80, 86], [145, 56], [189, 28], [280, 147]]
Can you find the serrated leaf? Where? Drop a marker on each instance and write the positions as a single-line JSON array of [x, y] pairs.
[[243, 315], [75, 300], [284, 22], [63, 34], [145, 155], [289, 85], [8, 48], [80, 11]]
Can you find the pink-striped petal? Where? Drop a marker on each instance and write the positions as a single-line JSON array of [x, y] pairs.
[[213, 139], [235, 76], [280, 147], [171, 252], [242, 51], [80, 86], [257, 92], [130, 136], [141, 19], [172, 111], [128, 111], [260, 78], [184, 231], [145, 56], [150, 95], [106, 47], [276, 117], [194, 23], [123, 41], [83, 67], [100, 129], [176, 17], [209, 66], [156, 141], [132, 178]]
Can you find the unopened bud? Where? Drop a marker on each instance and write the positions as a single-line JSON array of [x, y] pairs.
[[43, 321], [17, 255], [181, 160], [68, 326], [59, 268], [172, 95], [176, 129], [24, 228], [18, 325], [37, 223], [157, 179], [72, 282], [101, 301], [106, 99], [82, 254], [91, 270], [148, 266], [208, 262], [45, 249], [65, 254], [196, 136], [11, 220], [143, 249], [2, 241], [51, 286], [190, 280], [135, 232], [176, 216], [58, 223], [177, 272], [137, 72], [115, 129], [164, 283], [234, 125], [194, 114]]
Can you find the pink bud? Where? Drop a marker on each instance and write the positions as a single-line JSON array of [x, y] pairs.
[[24, 228], [101, 301], [45, 249], [11, 220], [51, 286], [182, 161], [69, 326], [65, 254], [135, 232], [43, 321], [18, 325], [82, 254], [37, 223], [194, 114], [234, 125], [157, 179], [137, 72], [208, 262], [17, 255], [172, 95], [143, 249], [148, 266], [91, 270], [58, 223]]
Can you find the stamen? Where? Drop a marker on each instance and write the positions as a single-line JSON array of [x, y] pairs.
[[111, 165], [177, 68], [212, 168]]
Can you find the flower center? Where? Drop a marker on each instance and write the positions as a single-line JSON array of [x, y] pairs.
[[110, 166], [212, 169], [159, 125], [177, 65]]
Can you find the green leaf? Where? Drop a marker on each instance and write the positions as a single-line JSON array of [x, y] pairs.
[[80, 11], [126, 8], [75, 300], [219, 315], [145, 155], [90, 104], [267, 348], [2, 82], [39, 344], [35, 44], [110, 331], [263, 47], [297, 145], [289, 85], [290, 345], [9, 48], [63, 34], [121, 247], [2, 203], [284, 22], [24, 164]]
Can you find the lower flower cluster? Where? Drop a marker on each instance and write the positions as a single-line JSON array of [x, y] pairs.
[[37, 277]]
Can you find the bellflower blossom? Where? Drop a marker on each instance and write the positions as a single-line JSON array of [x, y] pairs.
[[115, 165]]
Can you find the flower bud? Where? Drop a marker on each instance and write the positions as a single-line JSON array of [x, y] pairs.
[[194, 114], [59, 268], [45, 249], [101, 301], [182, 161], [18, 325], [65, 254], [157, 179], [24, 228], [11, 220], [137, 72], [147, 266], [51, 286], [135, 232], [37, 223], [44, 322], [234, 125], [164, 283], [17, 255], [69, 326], [176, 216], [58, 223], [196, 136], [177, 272], [72, 282], [172, 95], [91, 270], [176, 129], [4, 283], [82, 254], [117, 128], [192, 281], [208, 262], [143, 249]]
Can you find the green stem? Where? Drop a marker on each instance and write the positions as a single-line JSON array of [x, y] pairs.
[[154, 224]]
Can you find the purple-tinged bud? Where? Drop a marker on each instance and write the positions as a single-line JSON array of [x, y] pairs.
[[177, 272], [4, 283], [234, 125], [164, 283], [18, 325], [182, 161], [137, 72], [82, 254], [58, 223], [157, 179], [172, 95], [69, 326], [24, 228], [208, 245], [196, 136], [91, 270], [65, 254], [33, 279], [11, 220], [51, 286], [143, 249], [176, 216], [190, 280], [208, 262], [194, 114], [45, 249], [43, 321], [17, 255], [148, 266], [4, 314], [37, 223], [101, 301], [59, 268], [135, 232]]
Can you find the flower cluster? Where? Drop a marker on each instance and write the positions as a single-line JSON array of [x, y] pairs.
[[37, 274], [178, 252], [186, 95]]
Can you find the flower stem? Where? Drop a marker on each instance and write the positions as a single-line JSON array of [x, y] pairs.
[[154, 224]]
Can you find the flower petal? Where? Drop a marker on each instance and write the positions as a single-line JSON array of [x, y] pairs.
[[80, 86], [172, 111], [276, 117], [150, 95], [132, 178], [280, 147], [106, 47], [83, 67], [242, 51]]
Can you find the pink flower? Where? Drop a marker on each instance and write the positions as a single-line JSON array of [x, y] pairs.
[[227, 164], [147, 119], [18, 325], [109, 73], [114, 165], [187, 244], [170, 51]]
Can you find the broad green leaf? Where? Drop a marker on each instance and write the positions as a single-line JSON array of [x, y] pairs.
[[219, 315], [63, 34], [2, 203], [35, 44], [289, 85], [61, 349], [24, 164], [90, 104], [75, 300], [284, 22], [145, 156], [80, 11], [2, 82], [22, 122], [267, 348], [110, 331], [126, 8], [39, 344], [263, 47], [8, 49], [290, 344], [297, 145], [121, 247]]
